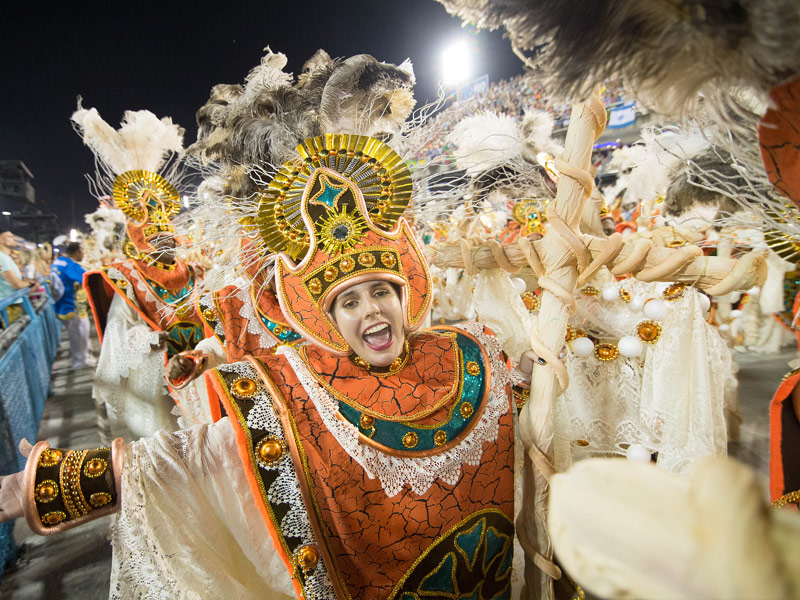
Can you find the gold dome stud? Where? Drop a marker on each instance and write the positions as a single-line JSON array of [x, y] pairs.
[[46, 491], [50, 457], [360, 362], [53, 518], [388, 259], [307, 557], [209, 314], [122, 284], [366, 260], [347, 264], [473, 368], [95, 467], [466, 410], [531, 301], [366, 421], [440, 438], [410, 439], [315, 286], [244, 388], [269, 450], [625, 295], [330, 273], [649, 331]]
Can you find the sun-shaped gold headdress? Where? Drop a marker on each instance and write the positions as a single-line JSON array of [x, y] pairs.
[[379, 173]]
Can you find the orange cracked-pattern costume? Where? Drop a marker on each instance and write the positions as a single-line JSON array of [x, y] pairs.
[[163, 299], [448, 541], [779, 136]]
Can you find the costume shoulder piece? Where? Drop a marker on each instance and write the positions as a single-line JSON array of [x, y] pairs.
[[246, 322]]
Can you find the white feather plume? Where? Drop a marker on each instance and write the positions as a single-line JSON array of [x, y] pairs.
[[486, 140], [143, 141], [267, 75]]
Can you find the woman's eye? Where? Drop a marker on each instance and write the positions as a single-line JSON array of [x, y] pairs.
[[350, 304]]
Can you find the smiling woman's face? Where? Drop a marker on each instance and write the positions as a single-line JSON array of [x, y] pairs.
[[369, 316]]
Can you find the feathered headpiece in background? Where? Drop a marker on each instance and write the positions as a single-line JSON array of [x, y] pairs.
[[140, 165], [666, 50]]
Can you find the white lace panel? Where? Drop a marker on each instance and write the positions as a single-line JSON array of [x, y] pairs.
[[255, 325], [285, 489], [129, 377], [418, 473], [188, 528], [671, 400]]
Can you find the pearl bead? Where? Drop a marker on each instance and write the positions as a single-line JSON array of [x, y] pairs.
[[610, 293], [638, 453], [724, 327], [630, 346], [655, 309], [582, 346], [519, 285], [636, 303], [705, 302], [735, 314]]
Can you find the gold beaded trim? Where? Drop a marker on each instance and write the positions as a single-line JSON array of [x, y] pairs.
[[70, 476], [393, 369], [53, 518], [590, 290], [790, 498], [100, 499]]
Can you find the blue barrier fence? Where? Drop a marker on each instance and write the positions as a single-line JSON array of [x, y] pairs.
[[30, 344]]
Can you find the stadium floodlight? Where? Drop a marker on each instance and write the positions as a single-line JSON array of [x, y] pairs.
[[456, 63], [6, 213]]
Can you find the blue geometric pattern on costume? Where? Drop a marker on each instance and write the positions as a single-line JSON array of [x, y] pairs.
[[173, 297], [391, 434], [282, 332], [183, 336]]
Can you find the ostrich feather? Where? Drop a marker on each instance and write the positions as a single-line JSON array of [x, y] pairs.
[[668, 51], [143, 141], [485, 141]]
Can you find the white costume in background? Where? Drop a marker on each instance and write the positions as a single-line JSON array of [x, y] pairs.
[[129, 379]]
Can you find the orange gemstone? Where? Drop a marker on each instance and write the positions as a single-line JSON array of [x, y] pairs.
[[307, 557], [347, 265], [95, 467], [366, 259], [46, 491], [269, 450], [50, 458], [648, 331], [244, 387], [366, 421], [606, 351], [388, 259], [440, 437]]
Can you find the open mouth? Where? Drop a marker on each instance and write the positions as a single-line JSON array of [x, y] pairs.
[[378, 337]]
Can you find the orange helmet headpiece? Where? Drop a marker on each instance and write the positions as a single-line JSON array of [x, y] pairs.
[[334, 215]]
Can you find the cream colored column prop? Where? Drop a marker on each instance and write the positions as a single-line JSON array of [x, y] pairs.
[[562, 260]]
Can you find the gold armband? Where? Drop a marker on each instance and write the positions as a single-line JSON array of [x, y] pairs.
[[69, 487], [520, 395]]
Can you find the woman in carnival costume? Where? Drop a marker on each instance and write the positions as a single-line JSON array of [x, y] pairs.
[[143, 306], [259, 124], [374, 462]]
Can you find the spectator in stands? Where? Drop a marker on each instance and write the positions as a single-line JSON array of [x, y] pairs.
[[11, 279], [76, 317], [43, 261]]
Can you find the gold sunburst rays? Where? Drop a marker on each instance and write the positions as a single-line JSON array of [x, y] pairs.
[[140, 194], [340, 231], [382, 177]]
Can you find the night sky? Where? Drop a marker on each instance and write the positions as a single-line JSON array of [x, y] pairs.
[[166, 56]]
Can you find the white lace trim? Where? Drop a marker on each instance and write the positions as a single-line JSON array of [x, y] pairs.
[[254, 324], [418, 473], [207, 301], [285, 489]]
